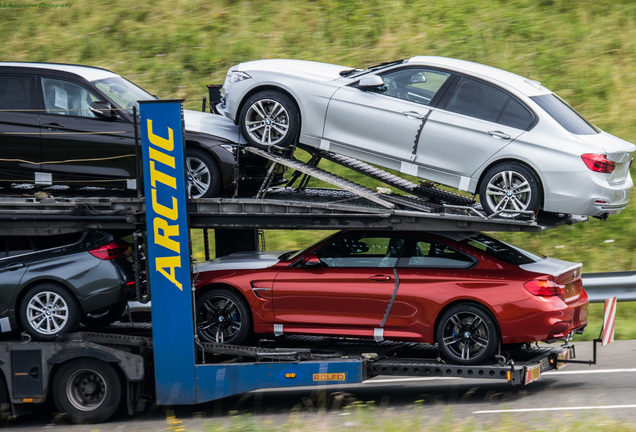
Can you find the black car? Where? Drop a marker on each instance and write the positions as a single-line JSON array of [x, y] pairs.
[[74, 125], [48, 284]]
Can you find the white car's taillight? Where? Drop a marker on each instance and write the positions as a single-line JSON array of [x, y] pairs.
[[598, 163]]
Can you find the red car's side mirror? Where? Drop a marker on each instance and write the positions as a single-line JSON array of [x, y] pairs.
[[312, 261]]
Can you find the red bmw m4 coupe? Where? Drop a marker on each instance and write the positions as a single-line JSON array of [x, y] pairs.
[[467, 292]]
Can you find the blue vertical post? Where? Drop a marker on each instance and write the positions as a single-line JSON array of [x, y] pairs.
[[168, 246]]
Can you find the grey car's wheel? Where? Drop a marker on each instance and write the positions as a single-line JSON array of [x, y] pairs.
[[510, 188], [48, 310], [467, 334], [203, 174], [87, 390], [223, 317], [269, 118]]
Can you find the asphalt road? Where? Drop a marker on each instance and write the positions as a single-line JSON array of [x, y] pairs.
[[603, 393]]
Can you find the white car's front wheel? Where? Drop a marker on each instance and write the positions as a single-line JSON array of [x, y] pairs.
[[269, 118]]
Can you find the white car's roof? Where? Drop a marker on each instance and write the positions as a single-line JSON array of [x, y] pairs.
[[489, 73], [88, 72]]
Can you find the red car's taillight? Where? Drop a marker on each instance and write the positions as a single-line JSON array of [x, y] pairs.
[[545, 288], [111, 251], [598, 163]]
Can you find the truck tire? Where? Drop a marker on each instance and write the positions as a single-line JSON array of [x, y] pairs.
[[87, 390]]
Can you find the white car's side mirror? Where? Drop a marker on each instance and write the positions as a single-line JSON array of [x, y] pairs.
[[370, 81]]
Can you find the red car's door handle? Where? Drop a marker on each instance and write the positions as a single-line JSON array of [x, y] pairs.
[[380, 278]]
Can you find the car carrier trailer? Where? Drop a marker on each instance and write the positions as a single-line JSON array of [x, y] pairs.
[[90, 374]]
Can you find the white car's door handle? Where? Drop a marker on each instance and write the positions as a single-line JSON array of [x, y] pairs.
[[414, 114], [499, 134]]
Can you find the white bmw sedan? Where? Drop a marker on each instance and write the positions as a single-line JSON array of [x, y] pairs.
[[461, 124]]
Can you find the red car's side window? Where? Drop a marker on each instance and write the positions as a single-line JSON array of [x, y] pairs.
[[372, 251], [435, 255]]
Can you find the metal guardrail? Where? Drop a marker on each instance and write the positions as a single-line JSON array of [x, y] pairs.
[[601, 286]]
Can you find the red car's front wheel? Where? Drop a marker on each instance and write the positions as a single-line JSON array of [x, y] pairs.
[[223, 317]]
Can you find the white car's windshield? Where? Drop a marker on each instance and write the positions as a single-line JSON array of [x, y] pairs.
[[123, 92]]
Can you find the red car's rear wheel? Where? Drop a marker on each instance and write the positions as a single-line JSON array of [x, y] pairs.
[[467, 334]]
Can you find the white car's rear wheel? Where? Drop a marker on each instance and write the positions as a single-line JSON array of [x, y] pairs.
[[269, 118], [510, 188]]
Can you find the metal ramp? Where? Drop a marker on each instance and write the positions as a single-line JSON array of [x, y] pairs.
[[423, 190], [423, 197], [320, 174]]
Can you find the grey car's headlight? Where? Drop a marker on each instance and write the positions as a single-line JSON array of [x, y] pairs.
[[236, 76]]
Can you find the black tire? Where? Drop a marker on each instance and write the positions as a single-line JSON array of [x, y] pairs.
[[269, 118], [511, 187], [87, 390], [223, 317], [203, 174], [48, 310], [467, 335], [106, 316]]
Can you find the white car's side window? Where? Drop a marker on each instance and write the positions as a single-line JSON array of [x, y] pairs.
[[486, 102], [414, 84]]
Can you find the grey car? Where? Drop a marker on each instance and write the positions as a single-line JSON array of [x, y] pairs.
[[48, 284], [469, 126]]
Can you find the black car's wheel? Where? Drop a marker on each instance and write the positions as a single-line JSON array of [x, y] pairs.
[[511, 187], [203, 174], [48, 310], [269, 118], [467, 334], [105, 316], [223, 317], [87, 390]]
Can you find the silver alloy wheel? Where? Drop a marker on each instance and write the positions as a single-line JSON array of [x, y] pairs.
[[199, 177], [86, 390], [267, 122], [465, 335], [510, 191], [219, 320], [47, 313]]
